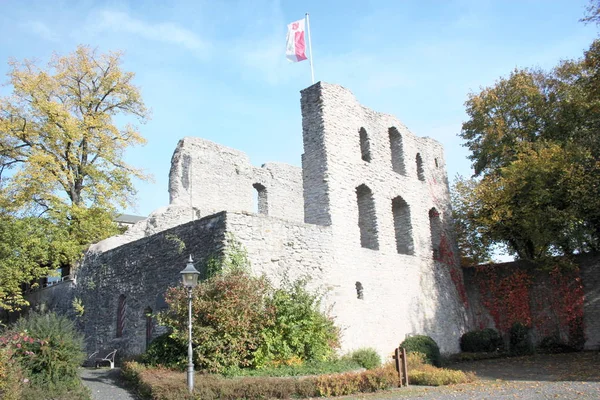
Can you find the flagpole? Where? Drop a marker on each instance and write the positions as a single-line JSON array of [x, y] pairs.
[[312, 72]]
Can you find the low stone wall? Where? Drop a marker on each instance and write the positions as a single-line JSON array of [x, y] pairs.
[[554, 302], [141, 272]]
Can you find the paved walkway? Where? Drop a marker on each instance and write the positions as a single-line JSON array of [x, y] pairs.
[[106, 384]]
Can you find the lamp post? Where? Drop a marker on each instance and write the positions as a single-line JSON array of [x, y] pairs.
[[189, 277]]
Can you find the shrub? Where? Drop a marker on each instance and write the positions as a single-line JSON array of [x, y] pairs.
[[229, 315], [240, 321], [51, 350], [159, 383], [11, 376], [429, 375], [485, 340], [421, 373], [426, 345], [553, 344], [55, 392], [166, 351], [367, 358], [308, 368], [520, 342], [299, 331]]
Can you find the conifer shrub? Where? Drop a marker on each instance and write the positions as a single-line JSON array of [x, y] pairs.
[[481, 341], [426, 345]]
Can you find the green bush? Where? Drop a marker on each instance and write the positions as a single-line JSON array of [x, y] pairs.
[[166, 351], [367, 358], [230, 313], [240, 321], [55, 392], [426, 345], [520, 342], [553, 344], [480, 341], [11, 375], [53, 351], [308, 368], [299, 331]]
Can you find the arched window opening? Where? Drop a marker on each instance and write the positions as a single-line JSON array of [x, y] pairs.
[[420, 170], [402, 226], [397, 151], [365, 145], [121, 315], [367, 220], [437, 163], [261, 205], [359, 291], [149, 325], [435, 226]]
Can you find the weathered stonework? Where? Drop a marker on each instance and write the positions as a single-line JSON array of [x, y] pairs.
[[369, 209]]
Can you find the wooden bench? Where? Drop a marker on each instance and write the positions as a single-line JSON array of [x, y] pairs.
[[99, 359]]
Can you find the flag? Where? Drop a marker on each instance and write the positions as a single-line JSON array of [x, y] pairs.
[[295, 48]]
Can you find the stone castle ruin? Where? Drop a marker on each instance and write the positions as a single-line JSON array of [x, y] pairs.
[[367, 217]]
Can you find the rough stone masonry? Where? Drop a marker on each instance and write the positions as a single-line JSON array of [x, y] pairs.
[[367, 217]]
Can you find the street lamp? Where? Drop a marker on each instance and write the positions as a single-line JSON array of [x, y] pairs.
[[189, 277]]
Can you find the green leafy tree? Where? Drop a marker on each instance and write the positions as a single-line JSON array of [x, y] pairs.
[[536, 155], [57, 134], [62, 174]]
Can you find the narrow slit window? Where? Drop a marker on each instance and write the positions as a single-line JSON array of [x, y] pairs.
[[261, 204], [121, 316], [397, 151], [402, 226], [359, 291], [149, 325], [367, 220], [365, 145], [420, 170], [435, 226]]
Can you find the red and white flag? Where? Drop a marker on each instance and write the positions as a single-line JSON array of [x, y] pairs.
[[295, 49]]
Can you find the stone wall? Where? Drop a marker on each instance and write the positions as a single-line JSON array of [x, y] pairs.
[[218, 178], [357, 164], [141, 271], [554, 302]]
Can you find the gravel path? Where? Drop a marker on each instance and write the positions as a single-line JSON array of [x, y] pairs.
[[106, 384], [544, 376]]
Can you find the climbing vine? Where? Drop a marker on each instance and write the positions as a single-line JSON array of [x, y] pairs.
[[445, 255], [506, 298], [553, 306]]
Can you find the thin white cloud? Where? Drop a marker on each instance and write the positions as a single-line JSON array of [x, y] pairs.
[[40, 29], [166, 32]]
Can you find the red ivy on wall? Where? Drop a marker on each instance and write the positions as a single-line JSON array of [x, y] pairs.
[[553, 306], [445, 255], [506, 298]]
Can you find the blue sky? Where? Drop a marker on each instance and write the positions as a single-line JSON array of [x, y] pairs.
[[217, 69]]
